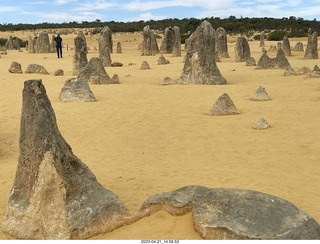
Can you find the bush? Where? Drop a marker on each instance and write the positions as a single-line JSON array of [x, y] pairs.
[[184, 37], [3, 41], [276, 35], [257, 37]]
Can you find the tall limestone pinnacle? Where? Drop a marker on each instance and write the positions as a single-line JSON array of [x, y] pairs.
[[54, 194]]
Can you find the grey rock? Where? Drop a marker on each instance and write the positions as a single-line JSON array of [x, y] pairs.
[[95, 73], [36, 68], [261, 124], [167, 81], [119, 48], [312, 46], [54, 194], [224, 106], [52, 44], [260, 94], [167, 41], [226, 213], [163, 60], [286, 46], [149, 45], [316, 68], [280, 61], [58, 72], [31, 48], [302, 71], [221, 43], [9, 44], [242, 49], [272, 48], [15, 68], [145, 65], [79, 55], [105, 46], [251, 62], [76, 90], [200, 65], [298, 47], [42, 43], [262, 36], [176, 51]]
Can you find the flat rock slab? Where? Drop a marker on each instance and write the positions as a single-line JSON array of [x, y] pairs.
[[76, 90], [225, 213]]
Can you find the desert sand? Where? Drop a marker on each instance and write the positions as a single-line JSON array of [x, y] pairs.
[[141, 138]]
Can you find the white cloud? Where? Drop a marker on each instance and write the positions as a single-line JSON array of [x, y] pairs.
[[97, 5], [145, 17], [67, 17], [4, 9], [61, 2]]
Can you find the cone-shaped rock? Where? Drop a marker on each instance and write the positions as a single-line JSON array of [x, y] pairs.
[[260, 94], [226, 213], [9, 44], [105, 46], [145, 65], [54, 194], [95, 73], [224, 106], [221, 43], [200, 65], [298, 47], [15, 68], [281, 60], [76, 90], [79, 55], [36, 68], [265, 62], [312, 46], [242, 49], [261, 124], [43, 44], [163, 60]]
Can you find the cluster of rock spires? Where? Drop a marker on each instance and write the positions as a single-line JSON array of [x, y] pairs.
[[312, 46], [149, 46], [12, 43], [171, 42], [200, 61], [56, 196]]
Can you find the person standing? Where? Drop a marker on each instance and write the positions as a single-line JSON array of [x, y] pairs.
[[58, 41]]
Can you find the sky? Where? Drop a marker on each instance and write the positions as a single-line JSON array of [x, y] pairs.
[[59, 11]]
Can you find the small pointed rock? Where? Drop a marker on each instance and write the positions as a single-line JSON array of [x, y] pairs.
[[261, 124], [224, 106], [15, 68], [260, 94], [145, 65]]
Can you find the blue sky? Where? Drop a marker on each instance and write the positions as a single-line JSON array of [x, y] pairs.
[[58, 11]]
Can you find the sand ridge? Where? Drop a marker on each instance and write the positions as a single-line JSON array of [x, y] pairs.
[[141, 138]]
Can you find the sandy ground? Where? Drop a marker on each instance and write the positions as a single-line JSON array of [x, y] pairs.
[[141, 138]]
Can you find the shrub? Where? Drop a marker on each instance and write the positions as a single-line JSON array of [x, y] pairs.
[[276, 35]]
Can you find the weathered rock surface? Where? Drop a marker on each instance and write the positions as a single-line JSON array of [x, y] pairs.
[[119, 48], [79, 55], [95, 73], [116, 64], [145, 65], [58, 72], [76, 90], [312, 46], [52, 44], [9, 44], [36, 68], [105, 46], [251, 62], [298, 47], [167, 41], [54, 194], [262, 36], [260, 94], [280, 61], [302, 71], [242, 49], [200, 65], [221, 43], [15, 68], [226, 213], [43, 43], [176, 51], [261, 124], [149, 45], [286, 46], [31, 48], [224, 106], [167, 81], [163, 60]]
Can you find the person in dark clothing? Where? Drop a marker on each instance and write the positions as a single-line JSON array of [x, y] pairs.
[[58, 41]]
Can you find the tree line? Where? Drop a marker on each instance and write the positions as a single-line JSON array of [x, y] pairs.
[[233, 25]]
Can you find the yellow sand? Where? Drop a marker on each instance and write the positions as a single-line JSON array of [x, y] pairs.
[[141, 138]]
